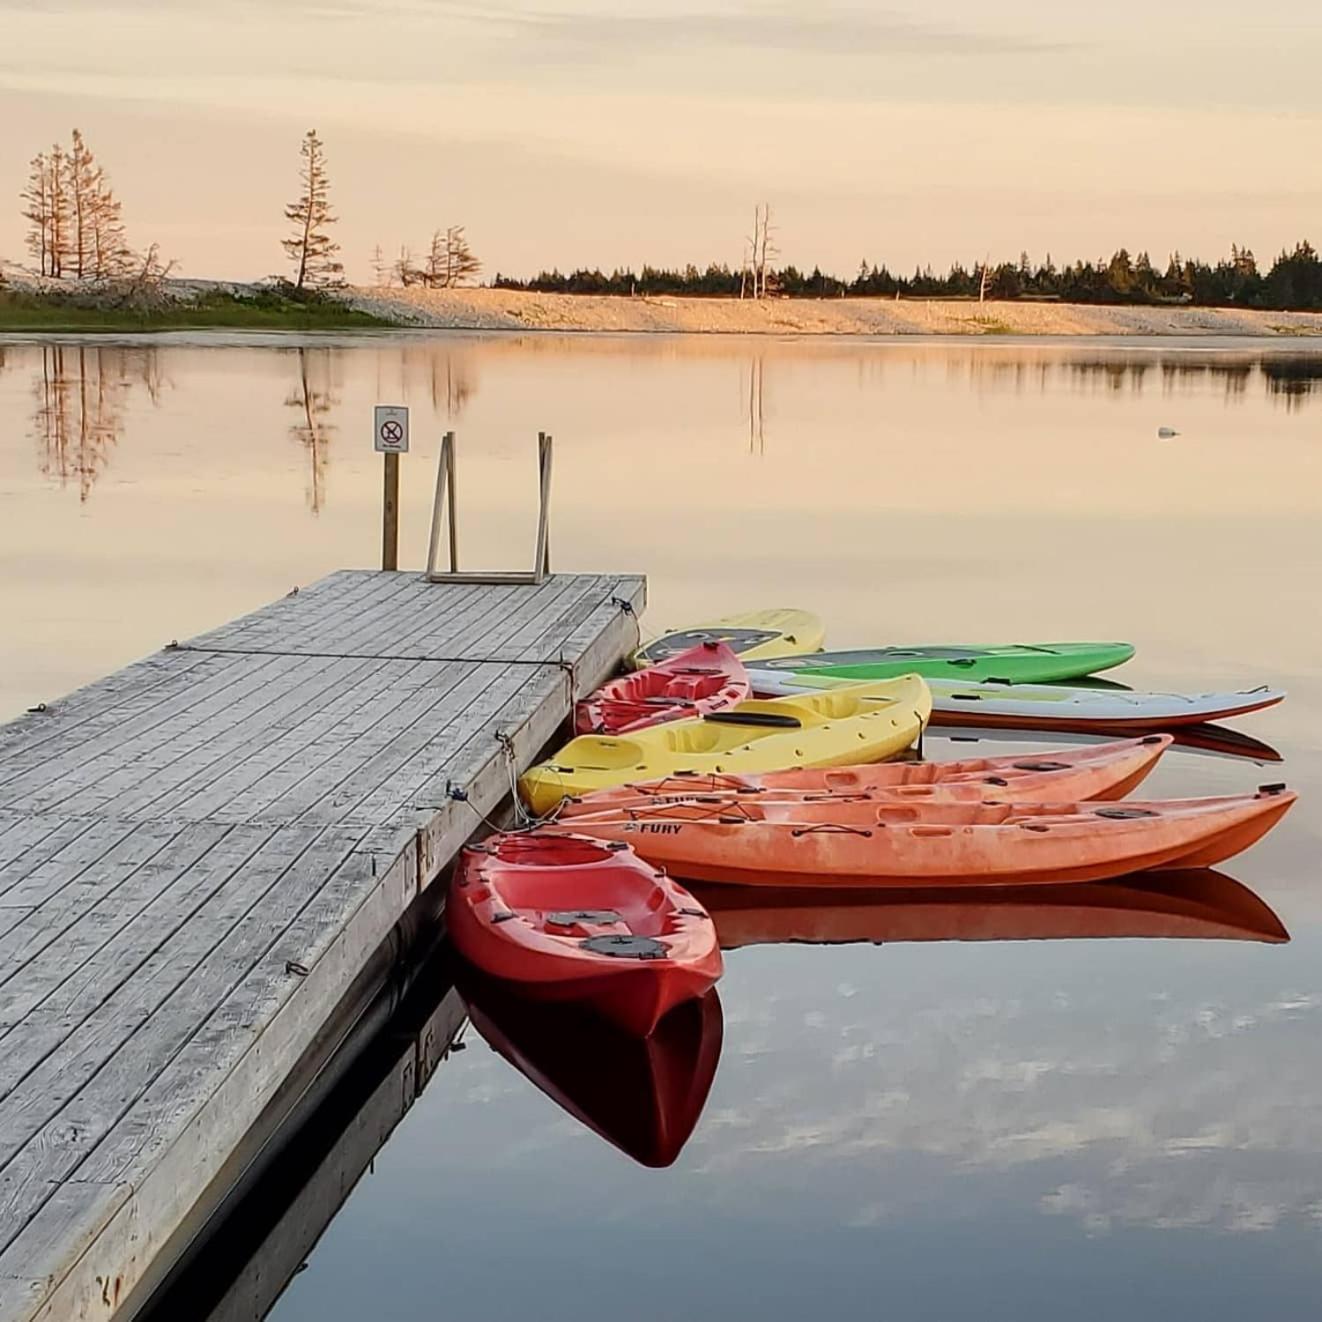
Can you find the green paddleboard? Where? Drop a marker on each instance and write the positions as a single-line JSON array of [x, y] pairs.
[[1013, 663]]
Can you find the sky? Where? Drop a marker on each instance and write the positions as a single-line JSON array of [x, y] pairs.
[[616, 132]]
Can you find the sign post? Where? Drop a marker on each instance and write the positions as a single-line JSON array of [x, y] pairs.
[[390, 438]]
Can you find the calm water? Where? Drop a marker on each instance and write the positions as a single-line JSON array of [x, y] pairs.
[[926, 1130]]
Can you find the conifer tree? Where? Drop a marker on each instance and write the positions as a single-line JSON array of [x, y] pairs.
[[460, 263], [37, 211], [58, 211], [310, 247]]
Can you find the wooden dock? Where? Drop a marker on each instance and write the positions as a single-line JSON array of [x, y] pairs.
[[198, 856]]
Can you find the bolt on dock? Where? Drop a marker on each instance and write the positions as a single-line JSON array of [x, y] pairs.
[[199, 857]]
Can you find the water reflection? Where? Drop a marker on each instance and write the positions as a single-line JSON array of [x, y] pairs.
[[313, 398], [1200, 904], [1213, 740], [81, 393], [82, 388], [244, 1259], [643, 1095], [1288, 378], [757, 440]]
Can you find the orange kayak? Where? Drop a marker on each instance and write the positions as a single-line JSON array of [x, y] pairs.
[[643, 1094], [1197, 904], [705, 679], [875, 842], [1092, 771], [571, 919]]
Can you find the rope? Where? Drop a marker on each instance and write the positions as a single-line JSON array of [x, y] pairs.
[[524, 820]]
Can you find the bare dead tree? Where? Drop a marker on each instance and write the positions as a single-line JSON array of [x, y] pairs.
[[758, 252], [143, 283], [405, 271], [984, 279], [310, 246], [768, 252], [380, 267], [749, 273]]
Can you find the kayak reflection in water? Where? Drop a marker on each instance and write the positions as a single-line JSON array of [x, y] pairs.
[[642, 1094], [1198, 904]]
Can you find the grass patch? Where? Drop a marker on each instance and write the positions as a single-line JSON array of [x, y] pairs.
[[260, 310], [991, 326]]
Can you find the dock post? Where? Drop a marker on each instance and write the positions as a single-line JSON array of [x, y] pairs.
[[390, 514], [390, 439]]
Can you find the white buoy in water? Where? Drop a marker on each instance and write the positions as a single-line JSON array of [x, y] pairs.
[[1165, 433]]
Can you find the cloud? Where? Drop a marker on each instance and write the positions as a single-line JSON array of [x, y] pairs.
[[829, 30], [591, 36]]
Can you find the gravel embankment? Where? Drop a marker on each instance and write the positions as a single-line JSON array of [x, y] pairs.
[[510, 310]]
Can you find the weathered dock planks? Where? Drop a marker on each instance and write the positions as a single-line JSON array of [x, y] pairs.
[[200, 853]]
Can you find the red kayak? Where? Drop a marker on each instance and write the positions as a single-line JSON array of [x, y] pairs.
[[643, 1094], [705, 679], [566, 918]]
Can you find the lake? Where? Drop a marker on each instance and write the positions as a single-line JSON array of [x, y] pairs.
[[922, 1127]]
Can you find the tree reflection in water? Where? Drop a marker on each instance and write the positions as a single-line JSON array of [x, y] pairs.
[[314, 398], [81, 392], [757, 440]]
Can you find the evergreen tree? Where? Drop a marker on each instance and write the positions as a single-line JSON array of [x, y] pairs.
[[58, 212], [460, 264], [37, 205], [310, 247]]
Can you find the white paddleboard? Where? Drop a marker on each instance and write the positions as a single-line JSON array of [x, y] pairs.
[[1050, 706]]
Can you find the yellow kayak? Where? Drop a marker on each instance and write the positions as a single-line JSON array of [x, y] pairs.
[[752, 636], [832, 728]]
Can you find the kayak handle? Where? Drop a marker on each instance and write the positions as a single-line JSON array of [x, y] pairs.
[[832, 828], [772, 719]]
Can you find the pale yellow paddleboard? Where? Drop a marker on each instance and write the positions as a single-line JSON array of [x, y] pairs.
[[844, 726], [752, 636]]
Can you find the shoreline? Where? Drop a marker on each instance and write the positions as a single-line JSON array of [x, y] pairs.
[[482, 309], [209, 305]]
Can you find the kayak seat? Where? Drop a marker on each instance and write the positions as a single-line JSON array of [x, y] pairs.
[[626, 947], [584, 917]]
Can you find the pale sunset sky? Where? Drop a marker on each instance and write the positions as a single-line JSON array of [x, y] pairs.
[[612, 132]]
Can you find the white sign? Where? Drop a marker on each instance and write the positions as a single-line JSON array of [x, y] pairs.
[[391, 432]]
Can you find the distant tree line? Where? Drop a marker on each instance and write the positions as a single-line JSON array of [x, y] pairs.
[[1293, 281]]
